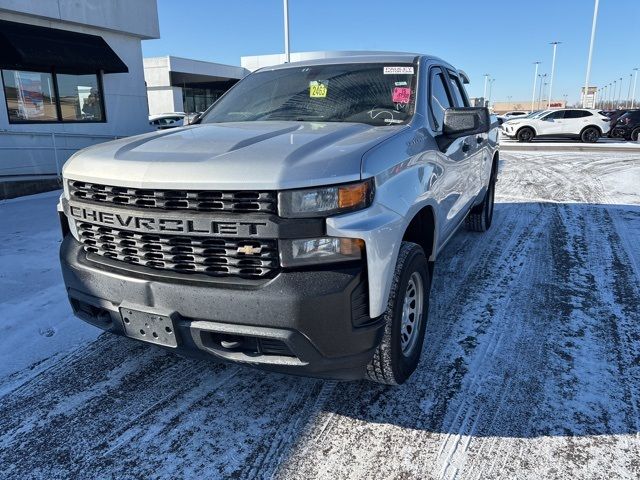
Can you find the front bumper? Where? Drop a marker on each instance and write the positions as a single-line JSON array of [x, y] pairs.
[[508, 130], [300, 322], [620, 132]]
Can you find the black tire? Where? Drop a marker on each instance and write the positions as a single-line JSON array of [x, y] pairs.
[[590, 135], [390, 365], [480, 217], [635, 134], [525, 134]]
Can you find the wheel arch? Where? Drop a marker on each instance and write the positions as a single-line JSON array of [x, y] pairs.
[[530, 127], [422, 229], [495, 164], [591, 126]]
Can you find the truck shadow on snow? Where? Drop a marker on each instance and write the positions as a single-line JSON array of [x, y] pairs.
[[533, 331]]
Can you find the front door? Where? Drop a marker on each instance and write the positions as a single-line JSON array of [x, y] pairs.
[[460, 178]]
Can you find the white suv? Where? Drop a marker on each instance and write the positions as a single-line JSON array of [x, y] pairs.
[[586, 125]]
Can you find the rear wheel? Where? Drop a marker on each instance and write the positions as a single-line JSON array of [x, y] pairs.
[[398, 354], [590, 135], [480, 217], [525, 134], [635, 134]]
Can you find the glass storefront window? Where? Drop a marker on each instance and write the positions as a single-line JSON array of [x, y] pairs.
[[80, 98], [196, 100], [30, 96]]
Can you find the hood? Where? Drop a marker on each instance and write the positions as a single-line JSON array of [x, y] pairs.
[[242, 155]]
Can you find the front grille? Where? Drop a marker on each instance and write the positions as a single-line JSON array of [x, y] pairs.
[[185, 254], [200, 200]]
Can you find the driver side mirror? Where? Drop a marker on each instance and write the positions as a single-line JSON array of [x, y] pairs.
[[460, 122]]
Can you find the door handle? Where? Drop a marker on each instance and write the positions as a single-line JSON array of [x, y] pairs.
[[465, 146], [479, 139]]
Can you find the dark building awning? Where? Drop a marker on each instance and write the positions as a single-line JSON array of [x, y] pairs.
[[29, 47]]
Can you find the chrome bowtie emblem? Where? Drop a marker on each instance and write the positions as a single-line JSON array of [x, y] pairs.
[[249, 250]]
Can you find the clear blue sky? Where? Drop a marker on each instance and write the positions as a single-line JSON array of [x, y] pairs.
[[499, 37]]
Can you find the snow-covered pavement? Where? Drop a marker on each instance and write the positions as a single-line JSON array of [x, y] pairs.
[[530, 369]]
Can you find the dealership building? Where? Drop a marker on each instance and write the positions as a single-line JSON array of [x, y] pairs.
[[71, 76], [176, 84]]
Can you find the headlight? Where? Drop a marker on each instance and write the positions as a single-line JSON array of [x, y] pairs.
[[325, 201], [308, 251]]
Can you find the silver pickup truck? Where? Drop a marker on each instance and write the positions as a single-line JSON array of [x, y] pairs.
[[294, 227]]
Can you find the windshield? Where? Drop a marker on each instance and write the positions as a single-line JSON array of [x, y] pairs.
[[375, 94]]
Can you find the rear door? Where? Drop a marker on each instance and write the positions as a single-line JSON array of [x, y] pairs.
[[576, 120]]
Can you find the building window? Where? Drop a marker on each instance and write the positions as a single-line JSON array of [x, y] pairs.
[[80, 98], [49, 97], [30, 96]]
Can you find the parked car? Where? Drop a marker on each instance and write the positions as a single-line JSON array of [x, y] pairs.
[[167, 120], [628, 126], [584, 124], [295, 226], [513, 114], [191, 117]]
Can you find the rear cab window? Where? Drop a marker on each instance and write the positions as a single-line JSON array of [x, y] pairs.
[[459, 94]]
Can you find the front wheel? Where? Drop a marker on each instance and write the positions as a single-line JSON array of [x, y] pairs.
[[525, 134], [398, 354], [590, 135], [635, 134]]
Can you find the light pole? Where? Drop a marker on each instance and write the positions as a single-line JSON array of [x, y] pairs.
[[633, 95], [613, 97], [593, 36], [542, 77], [484, 92], [628, 102], [553, 69], [610, 101], [535, 78], [287, 54], [490, 89], [603, 102], [619, 94]]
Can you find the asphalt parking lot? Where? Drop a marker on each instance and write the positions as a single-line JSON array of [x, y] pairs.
[[530, 369]]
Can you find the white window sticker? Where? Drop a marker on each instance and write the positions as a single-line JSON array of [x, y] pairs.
[[398, 70]]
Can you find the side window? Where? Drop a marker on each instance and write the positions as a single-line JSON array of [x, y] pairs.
[[576, 114], [458, 91], [555, 115], [439, 99]]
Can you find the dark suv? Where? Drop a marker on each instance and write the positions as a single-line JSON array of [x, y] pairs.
[[627, 126]]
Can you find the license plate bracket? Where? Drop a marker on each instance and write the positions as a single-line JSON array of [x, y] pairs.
[[149, 327]]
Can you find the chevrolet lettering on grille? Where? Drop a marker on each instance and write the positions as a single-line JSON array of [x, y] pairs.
[[149, 223]]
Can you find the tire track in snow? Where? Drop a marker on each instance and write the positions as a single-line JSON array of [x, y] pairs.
[[504, 365], [81, 418]]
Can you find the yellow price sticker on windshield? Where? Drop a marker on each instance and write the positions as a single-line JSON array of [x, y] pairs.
[[318, 89]]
